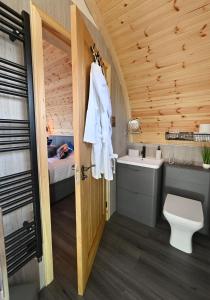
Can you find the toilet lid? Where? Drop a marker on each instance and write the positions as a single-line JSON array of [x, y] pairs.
[[184, 208]]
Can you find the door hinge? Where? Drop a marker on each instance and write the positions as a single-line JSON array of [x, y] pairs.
[[77, 174]]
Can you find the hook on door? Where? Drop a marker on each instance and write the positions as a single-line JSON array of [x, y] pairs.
[[85, 169]]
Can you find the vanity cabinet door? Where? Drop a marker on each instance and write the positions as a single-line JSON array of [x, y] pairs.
[[138, 193], [136, 206], [135, 179]]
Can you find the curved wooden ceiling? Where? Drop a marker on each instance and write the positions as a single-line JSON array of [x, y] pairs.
[[163, 48]]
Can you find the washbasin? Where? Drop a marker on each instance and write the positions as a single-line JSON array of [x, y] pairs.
[[147, 162]]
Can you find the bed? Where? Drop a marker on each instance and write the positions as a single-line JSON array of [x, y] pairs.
[[61, 171]]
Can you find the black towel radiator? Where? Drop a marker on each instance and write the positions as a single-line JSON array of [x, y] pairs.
[[19, 189]]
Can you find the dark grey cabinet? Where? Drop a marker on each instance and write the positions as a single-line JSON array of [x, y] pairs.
[[190, 182], [138, 193]]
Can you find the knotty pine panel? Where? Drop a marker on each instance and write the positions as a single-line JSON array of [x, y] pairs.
[[164, 51], [58, 89]]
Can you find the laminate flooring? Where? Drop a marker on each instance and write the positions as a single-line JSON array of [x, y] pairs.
[[134, 262]]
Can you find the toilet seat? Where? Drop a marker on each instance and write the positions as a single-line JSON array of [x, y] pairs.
[[184, 208]]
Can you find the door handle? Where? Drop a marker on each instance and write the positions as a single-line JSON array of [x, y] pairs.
[[85, 169]]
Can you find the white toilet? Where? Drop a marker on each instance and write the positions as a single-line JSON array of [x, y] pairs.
[[185, 217]]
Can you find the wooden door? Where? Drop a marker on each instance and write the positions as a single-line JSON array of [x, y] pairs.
[[90, 193]]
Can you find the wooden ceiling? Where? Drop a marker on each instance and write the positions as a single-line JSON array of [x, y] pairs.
[[163, 47]]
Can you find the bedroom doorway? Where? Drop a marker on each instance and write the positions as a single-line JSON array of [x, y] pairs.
[[40, 20], [51, 50], [60, 146]]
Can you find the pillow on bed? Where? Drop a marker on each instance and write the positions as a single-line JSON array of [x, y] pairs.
[[51, 151], [70, 147], [62, 151], [49, 141]]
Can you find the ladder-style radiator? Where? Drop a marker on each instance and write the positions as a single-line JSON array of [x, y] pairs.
[[19, 189]]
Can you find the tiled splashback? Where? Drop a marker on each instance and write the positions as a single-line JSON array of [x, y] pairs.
[[180, 153]]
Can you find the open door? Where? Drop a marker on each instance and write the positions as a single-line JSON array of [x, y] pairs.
[[90, 193]]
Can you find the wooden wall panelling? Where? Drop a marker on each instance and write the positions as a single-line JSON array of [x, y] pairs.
[[58, 88], [163, 49]]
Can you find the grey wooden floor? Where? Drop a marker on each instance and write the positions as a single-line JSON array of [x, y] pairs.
[[134, 262]]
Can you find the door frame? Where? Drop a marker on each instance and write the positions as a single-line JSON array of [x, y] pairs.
[[40, 20]]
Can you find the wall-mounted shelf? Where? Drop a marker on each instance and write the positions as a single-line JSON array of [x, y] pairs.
[[187, 136]]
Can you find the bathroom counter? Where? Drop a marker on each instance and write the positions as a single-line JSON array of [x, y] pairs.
[[187, 166], [141, 162]]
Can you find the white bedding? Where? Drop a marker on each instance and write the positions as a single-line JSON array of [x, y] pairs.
[[60, 169]]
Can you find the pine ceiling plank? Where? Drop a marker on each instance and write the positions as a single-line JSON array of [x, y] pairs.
[[140, 20], [138, 13], [177, 27], [186, 41], [105, 5], [124, 8], [164, 52], [99, 21], [150, 68], [141, 99]]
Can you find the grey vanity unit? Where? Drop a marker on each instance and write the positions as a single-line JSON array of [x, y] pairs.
[[138, 189], [189, 181]]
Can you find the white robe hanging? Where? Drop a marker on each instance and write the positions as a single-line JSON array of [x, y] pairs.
[[98, 129]]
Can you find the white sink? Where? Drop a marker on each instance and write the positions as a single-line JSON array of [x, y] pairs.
[[142, 162]]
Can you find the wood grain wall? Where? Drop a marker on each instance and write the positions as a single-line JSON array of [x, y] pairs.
[[58, 89], [164, 51]]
